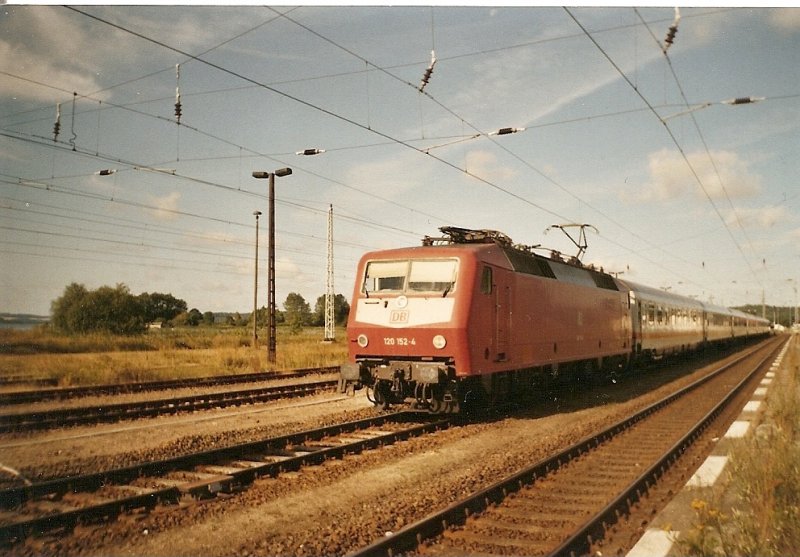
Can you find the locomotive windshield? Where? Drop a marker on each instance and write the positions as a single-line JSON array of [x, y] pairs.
[[411, 276]]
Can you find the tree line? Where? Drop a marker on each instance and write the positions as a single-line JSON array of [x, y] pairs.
[[116, 310]]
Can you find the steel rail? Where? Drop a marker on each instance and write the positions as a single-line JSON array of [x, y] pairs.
[[28, 380], [62, 417], [579, 543], [39, 395], [283, 445], [408, 538]]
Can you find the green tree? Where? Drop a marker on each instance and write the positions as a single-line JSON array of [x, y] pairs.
[[194, 318], [341, 310], [297, 311], [65, 311], [114, 310], [208, 318], [161, 307]]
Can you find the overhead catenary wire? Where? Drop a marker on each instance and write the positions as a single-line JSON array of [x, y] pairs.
[[116, 199], [273, 157], [690, 113], [484, 52], [340, 117], [313, 106], [674, 139], [135, 224], [480, 133]]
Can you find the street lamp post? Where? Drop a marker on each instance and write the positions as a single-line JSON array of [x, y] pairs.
[[271, 257], [255, 288]]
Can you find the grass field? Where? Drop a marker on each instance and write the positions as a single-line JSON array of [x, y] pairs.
[[762, 514], [160, 354]]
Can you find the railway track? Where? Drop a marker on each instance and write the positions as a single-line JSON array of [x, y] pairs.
[[61, 504], [64, 417], [61, 393], [13, 380], [565, 504]]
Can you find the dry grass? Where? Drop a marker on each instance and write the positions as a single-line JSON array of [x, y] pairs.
[[166, 354], [763, 517]]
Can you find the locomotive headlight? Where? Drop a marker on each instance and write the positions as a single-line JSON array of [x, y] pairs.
[[439, 342], [363, 340]]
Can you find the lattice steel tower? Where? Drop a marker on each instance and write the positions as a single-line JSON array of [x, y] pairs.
[[330, 335]]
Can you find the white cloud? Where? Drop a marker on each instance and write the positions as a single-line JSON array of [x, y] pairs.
[[64, 51], [785, 19], [721, 174], [40, 68], [757, 217], [215, 239], [46, 46], [484, 164], [387, 177], [514, 75], [166, 206]]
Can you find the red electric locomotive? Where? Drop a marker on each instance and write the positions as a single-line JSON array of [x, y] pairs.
[[473, 316]]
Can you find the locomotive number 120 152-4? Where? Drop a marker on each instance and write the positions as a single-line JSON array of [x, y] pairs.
[[399, 341]]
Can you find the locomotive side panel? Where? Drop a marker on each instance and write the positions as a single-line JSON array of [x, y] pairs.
[[489, 321], [592, 315], [538, 321]]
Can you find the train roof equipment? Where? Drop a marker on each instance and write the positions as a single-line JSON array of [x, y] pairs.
[[523, 259]]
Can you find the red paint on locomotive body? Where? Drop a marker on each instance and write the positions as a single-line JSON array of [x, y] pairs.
[[435, 322], [401, 321]]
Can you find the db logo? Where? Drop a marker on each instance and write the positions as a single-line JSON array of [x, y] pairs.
[[398, 316]]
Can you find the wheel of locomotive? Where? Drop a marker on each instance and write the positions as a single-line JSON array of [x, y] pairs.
[[476, 400], [382, 395]]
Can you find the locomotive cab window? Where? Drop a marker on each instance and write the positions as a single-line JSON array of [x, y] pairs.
[[486, 280], [385, 276], [414, 276], [432, 275]]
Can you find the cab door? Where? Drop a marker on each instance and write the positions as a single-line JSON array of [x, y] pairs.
[[636, 322], [502, 314]]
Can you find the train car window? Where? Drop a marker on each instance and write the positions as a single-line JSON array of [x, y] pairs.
[[486, 280], [603, 280], [385, 276], [432, 275], [528, 263]]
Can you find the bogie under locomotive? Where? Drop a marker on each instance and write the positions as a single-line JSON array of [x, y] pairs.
[[474, 317]]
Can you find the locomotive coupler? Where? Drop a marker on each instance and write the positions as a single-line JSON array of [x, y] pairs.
[[353, 376], [429, 372]]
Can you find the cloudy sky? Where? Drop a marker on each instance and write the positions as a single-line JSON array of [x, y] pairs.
[[685, 190]]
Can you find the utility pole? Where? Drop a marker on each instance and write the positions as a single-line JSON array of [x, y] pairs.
[[329, 295], [260, 175], [255, 288]]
